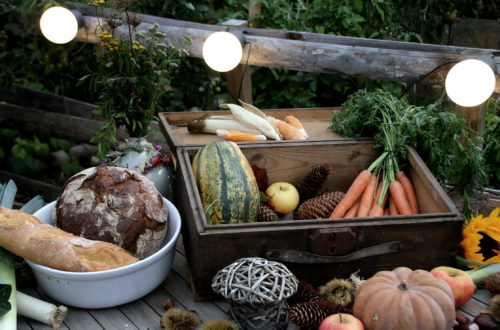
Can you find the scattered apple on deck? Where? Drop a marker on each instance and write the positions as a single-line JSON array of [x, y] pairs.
[[460, 282], [284, 197], [341, 321]]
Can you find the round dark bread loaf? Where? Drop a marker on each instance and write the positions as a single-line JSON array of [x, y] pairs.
[[115, 205]]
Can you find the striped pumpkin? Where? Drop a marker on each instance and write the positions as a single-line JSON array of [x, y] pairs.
[[226, 182]]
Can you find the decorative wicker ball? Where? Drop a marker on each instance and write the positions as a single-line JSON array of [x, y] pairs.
[[255, 281]]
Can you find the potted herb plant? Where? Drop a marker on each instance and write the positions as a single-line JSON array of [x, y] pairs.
[[134, 71]]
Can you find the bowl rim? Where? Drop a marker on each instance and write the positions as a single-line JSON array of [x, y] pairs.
[[173, 213]]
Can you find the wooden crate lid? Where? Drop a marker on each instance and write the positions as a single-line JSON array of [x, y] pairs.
[[316, 122]]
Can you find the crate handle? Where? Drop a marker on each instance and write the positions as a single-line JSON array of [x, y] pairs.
[[304, 257]]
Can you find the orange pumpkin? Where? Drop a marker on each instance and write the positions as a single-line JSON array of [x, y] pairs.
[[405, 299]]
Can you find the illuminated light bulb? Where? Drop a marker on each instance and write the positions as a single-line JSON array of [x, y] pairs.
[[59, 25], [222, 51], [470, 83]]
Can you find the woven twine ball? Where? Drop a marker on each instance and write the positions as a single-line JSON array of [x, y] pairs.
[[255, 281]]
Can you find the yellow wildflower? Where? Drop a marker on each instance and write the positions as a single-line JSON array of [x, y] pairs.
[[481, 238]]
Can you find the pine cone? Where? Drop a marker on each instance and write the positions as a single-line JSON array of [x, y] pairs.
[[320, 207], [310, 314], [313, 181], [266, 213], [305, 293]]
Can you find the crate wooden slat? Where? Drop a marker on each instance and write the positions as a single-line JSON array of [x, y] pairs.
[[316, 121], [424, 241]]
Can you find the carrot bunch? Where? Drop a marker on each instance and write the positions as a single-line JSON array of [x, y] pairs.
[[369, 196], [382, 189]]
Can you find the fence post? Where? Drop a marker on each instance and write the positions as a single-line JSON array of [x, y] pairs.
[[239, 80]]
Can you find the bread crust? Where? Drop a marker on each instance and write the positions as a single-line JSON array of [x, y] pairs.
[[26, 236], [115, 205]]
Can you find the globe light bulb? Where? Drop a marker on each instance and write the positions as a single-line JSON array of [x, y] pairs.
[[470, 83], [222, 51], [59, 25]]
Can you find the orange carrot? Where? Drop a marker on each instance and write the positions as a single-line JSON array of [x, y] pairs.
[[376, 211], [353, 193], [399, 198], [409, 191], [386, 211], [353, 211], [367, 198], [392, 207]]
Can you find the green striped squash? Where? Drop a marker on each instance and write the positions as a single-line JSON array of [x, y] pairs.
[[226, 182]]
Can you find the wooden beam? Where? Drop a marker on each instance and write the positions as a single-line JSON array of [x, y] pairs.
[[72, 127], [355, 57]]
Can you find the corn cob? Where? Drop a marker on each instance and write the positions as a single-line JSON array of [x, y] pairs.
[[250, 118], [209, 124], [238, 136], [287, 131], [292, 120]]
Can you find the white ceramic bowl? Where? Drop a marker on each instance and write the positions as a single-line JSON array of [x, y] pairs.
[[110, 287]]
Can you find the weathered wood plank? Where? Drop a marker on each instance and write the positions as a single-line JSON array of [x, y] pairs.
[[80, 319], [479, 302], [24, 183], [62, 125], [356, 57], [177, 287], [141, 314], [157, 299], [33, 98], [112, 318]]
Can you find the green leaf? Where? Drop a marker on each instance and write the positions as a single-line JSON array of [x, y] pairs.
[[7, 194], [263, 197], [5, 292], [189, 6], [208, 210], [33, 205], [358, 5]]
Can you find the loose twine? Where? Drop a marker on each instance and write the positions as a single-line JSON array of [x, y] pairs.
[[255, 281]]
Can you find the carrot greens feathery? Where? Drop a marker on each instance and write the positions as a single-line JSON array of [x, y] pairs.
[[439, 136]]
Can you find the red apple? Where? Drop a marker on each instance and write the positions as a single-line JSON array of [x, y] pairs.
[[460, 282], [341, 321], [284, 197]]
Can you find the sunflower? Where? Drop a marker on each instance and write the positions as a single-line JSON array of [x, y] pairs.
[[481, 238]]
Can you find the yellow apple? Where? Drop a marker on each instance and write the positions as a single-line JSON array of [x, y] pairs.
[[284, 197]]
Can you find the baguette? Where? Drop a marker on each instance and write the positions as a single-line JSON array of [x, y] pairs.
[[26, 236]]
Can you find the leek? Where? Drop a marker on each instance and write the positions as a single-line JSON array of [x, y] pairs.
[[478, 275], [7, 275], [40, 310]]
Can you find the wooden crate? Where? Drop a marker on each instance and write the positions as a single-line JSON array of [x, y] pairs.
[[319, 250], [174, 126]]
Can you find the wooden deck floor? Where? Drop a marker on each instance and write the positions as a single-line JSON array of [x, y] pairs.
[[146, 313]]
